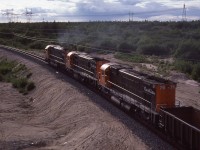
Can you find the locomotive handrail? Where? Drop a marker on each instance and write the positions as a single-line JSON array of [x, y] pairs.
[[83, 69], [129, 92], [56, 56], [131, 75], [193, 127], [57, 61]]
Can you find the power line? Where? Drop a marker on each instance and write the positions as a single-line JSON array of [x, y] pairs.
[[8, 13], [28, 14], [118, 14]]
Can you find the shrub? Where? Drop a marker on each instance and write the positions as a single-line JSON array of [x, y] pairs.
[[18, 68], [8, 34], [5, 70], [23, 41], [144, 40], [1, 78], [196, 72], [30, 86], [20, 83], [189, 49], [6, 67], [108, 44], [189, 68], [29, 75], [81, 49], [12, 72], [37, 45], [153, 49], [125, 47], [184, 66]]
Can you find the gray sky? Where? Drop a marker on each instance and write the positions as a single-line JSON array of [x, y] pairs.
[[95, 10]]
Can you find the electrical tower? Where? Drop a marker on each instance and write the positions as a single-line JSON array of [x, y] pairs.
[[16, 17], [184, 15], [8, 13], [130, 16], [29, 14]]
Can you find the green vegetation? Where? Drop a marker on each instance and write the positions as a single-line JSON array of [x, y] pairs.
[[193, 70], [164, 68], [184, 66], [17, 74], [179, 39], [133, 41]]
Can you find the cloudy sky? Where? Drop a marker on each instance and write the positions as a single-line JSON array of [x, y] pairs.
[[95, 10]]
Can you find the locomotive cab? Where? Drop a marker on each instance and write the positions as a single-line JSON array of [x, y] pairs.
[[104, 74], [47, 52], [69, 59], [55, 54]]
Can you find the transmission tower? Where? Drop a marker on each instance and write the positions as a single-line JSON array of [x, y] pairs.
[[29, 14], [16, 17], [8, 13], [184, 14], [131, 16]]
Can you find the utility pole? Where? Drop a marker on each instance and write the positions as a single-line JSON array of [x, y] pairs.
[[184, 14]]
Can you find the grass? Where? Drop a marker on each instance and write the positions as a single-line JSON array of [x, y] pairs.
[[17, 74]]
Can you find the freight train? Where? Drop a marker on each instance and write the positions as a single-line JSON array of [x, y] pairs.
[[151, 98]]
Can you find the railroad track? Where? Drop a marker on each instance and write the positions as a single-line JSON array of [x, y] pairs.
[[42, 59], [135, 116]]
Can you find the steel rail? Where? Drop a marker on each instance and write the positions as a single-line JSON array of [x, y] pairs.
[[42, 59]]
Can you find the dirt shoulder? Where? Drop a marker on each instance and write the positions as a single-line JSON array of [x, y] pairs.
[[62, 114]]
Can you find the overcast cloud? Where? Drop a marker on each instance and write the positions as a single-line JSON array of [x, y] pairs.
[[95, 10]]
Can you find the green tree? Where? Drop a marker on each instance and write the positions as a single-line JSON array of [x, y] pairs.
[[196, 72], [189, 49]]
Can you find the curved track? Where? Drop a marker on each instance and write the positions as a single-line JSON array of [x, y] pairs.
[[24, 53]]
